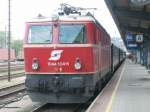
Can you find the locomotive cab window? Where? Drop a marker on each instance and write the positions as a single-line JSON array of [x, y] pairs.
[[72, 33], [40, 34]]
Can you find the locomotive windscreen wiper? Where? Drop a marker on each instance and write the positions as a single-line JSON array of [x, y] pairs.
[[47, 40]]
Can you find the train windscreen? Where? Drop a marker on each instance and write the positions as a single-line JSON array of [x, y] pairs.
[[71, 33], [40, 34]]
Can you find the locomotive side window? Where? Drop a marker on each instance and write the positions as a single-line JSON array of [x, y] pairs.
[[72, 34], [40, 34]]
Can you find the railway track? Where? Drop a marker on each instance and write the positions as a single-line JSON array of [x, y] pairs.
[[14, 75], [12, 94], [6, 65], [12, 69], [57, 108], [11, 90], [63, 107]]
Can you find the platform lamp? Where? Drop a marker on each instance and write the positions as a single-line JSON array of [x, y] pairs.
[[9, 39]]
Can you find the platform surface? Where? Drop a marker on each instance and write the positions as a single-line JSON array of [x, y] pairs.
[[128, 91]]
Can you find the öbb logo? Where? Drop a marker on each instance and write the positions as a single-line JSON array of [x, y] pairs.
[[55, 55]]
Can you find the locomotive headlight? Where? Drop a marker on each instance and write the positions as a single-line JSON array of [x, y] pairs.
[[35, 64], [77, 64]]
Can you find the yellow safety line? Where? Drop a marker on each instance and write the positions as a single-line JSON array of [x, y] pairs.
[[109, 107]]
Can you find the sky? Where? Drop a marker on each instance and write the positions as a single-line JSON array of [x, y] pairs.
[[24, 10]]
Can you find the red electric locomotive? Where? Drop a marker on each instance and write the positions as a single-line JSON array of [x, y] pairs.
[[66, 58]]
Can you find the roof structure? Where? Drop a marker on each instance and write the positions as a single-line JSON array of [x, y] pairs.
[[131, 16], [64, 18]]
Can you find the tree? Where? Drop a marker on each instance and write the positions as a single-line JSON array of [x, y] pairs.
[[2, 39], [17, 45]]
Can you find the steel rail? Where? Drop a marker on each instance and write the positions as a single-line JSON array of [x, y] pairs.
[[15, 75], [11, 90]]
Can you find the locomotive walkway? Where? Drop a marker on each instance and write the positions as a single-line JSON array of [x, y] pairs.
[[128, 91]]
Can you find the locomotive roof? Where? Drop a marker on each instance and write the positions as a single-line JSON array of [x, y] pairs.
[[64, 18]]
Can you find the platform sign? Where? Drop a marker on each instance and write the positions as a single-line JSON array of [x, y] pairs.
[[130, 41], [129, 37], [139, 38]]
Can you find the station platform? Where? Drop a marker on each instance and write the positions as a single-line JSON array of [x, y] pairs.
[[127, 91]]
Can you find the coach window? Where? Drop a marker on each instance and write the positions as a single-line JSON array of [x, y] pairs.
[[40, 34], [72, 34]]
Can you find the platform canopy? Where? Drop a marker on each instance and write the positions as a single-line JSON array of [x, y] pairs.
[[131, 16]]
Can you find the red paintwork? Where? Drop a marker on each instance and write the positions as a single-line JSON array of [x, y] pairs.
[[68, 57], [95, 55]]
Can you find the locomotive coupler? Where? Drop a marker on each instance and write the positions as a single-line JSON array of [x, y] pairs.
[[87, 92], [57, 82]]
